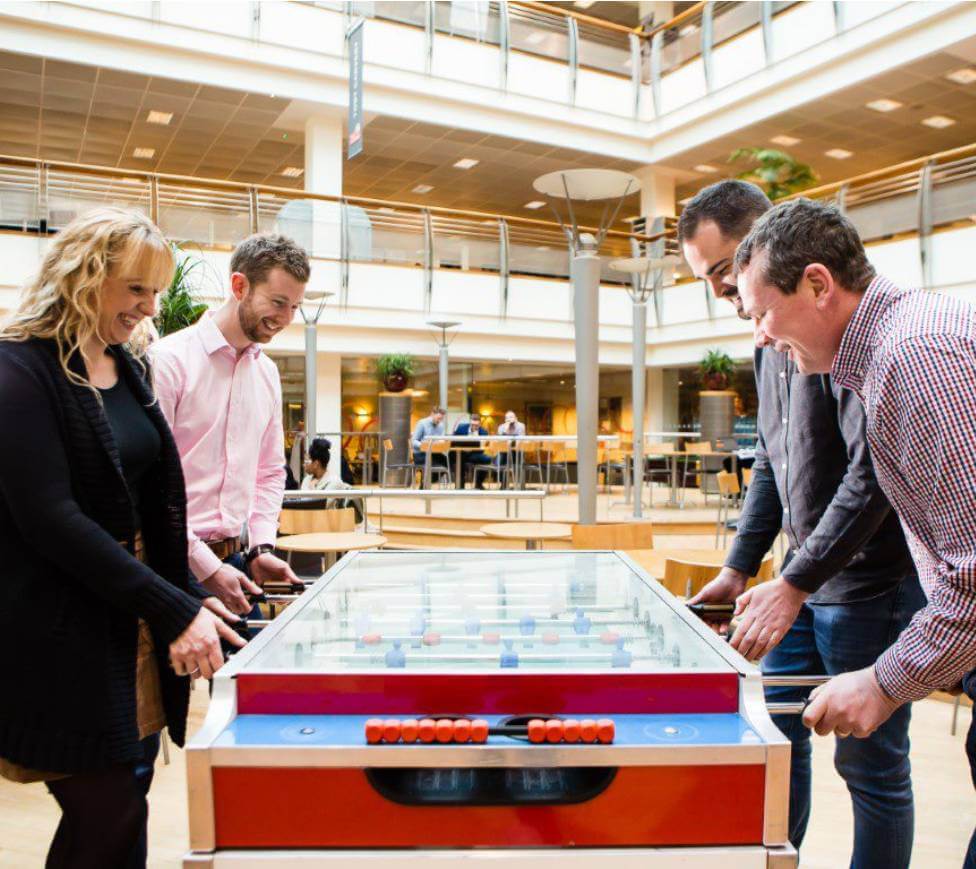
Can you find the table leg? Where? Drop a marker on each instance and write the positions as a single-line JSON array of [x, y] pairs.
[[458, 482]]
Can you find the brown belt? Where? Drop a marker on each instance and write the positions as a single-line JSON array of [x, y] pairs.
[[224, 548]]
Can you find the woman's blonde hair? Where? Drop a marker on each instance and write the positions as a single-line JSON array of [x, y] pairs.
[[63, 301]]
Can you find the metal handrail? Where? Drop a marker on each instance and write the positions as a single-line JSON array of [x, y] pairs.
[[291, 193]]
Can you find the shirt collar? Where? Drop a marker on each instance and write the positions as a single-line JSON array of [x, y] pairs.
[[213, 339], [857, 346]]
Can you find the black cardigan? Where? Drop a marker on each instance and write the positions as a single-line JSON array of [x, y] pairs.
[[71, 595]]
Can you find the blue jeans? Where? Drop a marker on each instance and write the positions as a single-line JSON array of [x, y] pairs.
[[838, 638], [969, 687], [143, 770]]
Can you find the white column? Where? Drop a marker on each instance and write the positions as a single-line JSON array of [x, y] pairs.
[[657, 192], [328, 406], [323, 174], [328, 394], [655, 400]]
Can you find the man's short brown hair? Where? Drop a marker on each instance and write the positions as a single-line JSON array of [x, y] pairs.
[[258, 254]]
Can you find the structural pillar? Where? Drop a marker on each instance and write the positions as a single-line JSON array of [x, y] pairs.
[[324, 149], [586, 287], [638, 371]]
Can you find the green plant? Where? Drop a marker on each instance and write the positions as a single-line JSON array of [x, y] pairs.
[[179, 306], [778, 173], [394, 364], [717, 369]]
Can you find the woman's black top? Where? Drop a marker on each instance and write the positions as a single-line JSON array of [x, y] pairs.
[[135, 435], [70, 595]]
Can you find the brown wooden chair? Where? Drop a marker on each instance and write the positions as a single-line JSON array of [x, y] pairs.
[[687, 578], [312, 521], [694, 465], [622, 535], [728, 497]]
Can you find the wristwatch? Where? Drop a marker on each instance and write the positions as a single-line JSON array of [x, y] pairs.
[[255, 551]]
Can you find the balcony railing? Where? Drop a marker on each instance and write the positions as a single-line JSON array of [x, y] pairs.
[[919, 198], [41, 197], [542, 50]]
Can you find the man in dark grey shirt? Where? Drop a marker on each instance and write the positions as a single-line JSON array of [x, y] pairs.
[[847, 587]]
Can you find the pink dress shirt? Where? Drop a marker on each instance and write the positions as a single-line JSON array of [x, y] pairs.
[[225, 412]]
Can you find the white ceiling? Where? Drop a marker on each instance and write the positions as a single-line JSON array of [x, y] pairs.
[[78, 113]]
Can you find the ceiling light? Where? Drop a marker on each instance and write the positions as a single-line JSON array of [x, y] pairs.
[[155, 117], [704, 167], [542, 247], [966, 75], [583, 4], [883, 105], [938, 122], [535, 203], [839, 153], [144, 153], [785, 141], [422, 188], [292, 172], [466, 163]]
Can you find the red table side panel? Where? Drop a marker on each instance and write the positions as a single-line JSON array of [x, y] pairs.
[[381, 694], [337, 808]]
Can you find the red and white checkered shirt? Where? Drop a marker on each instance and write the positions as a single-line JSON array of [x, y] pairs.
[[910, 356]]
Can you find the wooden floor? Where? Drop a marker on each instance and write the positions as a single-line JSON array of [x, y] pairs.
[[945, 805]]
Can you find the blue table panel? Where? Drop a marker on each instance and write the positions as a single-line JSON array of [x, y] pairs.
[[348, 730]]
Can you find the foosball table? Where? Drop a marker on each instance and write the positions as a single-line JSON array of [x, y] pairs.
[[517, 708]]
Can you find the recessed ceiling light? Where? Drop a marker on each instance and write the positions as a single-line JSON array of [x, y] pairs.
[[535, 203], [543, 247], [466, 163], [144, 153], [785, 141], [839, 153], [966, 75], [155, 117], [293, 172], [422, 188], [938, 122], [883, 105], [704, 167], [584, 4]]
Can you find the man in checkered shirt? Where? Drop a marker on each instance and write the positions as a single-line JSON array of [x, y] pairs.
[[909, 356]]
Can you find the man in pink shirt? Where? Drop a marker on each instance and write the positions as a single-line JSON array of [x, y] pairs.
[[222, 398]]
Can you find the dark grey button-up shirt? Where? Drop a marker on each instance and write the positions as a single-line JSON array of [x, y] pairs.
[[813, 477]]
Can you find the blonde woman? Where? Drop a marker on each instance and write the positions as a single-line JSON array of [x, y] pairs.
[[101, 627]]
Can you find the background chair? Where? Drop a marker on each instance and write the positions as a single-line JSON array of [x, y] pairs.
[[314, 521], [529, 461], [687, 578], [407, 470], [622, 535], [556, 465], [694, 464], [500, 472], [437, 448], [728, 498]]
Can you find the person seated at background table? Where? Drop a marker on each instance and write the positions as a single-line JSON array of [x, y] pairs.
[[470, 458], [430, 426], [318, 476], [101, 624], [511, 426]]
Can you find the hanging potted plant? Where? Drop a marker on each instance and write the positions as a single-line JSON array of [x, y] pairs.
[[394, 370], [776, 172], [716, 370]]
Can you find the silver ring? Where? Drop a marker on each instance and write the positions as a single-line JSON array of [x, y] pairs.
[[194, 670]]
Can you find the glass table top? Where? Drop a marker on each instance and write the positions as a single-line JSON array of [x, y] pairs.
[[484, 611]]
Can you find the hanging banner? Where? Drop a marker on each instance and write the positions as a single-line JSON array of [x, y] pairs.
[[354, 38]]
